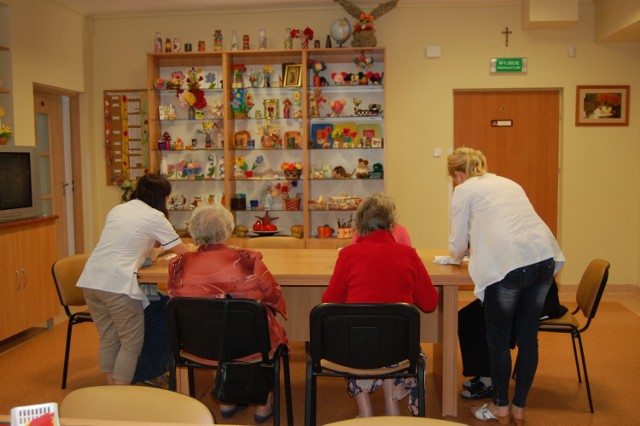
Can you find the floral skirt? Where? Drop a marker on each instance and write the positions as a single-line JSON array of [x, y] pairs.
[[401, 388]]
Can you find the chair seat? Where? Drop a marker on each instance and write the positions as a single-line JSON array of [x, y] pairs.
[[565, 321], [332, 366], [214, 363], [134, 404]]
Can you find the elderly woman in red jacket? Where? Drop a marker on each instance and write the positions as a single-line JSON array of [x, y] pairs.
[[377, 269], [217, 270]]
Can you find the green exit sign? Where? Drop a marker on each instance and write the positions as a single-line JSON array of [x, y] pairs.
[[510, 65]]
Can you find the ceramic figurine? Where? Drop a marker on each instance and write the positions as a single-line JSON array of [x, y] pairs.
[[211, 167]]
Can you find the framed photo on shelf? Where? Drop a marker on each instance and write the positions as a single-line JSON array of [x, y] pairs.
[[602, 105], [293, 75], [271, 107]]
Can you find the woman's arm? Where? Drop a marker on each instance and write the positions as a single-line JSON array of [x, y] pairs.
[[271, 290], [182, 248], [425, 295], [459, 233], [337, 290]]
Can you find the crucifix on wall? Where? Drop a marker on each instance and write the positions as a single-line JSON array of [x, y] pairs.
[[506, 33]]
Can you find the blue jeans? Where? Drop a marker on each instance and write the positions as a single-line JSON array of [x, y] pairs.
[[514, 305]]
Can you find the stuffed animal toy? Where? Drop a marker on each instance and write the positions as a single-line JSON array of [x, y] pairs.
[[364, 35], [340, 173], [362, 170], [338, 78], [337, 107]]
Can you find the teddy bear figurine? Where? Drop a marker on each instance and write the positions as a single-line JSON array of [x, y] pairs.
[[337, 107], [362, 170]]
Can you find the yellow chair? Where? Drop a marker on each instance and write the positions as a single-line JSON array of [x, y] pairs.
[[66, 272], [134, 404], [274, 242], [592, 284]]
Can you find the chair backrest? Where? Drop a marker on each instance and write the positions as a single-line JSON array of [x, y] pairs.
[[66, 272], [195, 326], [134, 404], [274, 242], [592, 284], [364, 336]]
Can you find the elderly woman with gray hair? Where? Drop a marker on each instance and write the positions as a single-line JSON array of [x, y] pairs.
[[217, 270], [378, 269]]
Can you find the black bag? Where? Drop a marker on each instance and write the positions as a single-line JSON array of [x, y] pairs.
[[240, 382], [552, 307], [243, 382]]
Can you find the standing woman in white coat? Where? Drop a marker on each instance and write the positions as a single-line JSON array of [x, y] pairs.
[[513, 258], [109, 280]]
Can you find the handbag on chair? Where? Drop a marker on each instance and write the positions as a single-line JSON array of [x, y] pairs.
[[241, 382]]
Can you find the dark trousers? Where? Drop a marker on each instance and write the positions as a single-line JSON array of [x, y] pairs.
[[514, 305]]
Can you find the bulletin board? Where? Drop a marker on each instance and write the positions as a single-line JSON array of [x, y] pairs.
[[126, 134]]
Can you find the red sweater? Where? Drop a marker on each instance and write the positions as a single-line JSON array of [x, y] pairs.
[[378, 270]]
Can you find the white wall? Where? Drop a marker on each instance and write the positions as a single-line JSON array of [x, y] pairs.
[[599, 208]]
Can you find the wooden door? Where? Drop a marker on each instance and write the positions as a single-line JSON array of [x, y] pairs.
[[518, 132], [56, 120]]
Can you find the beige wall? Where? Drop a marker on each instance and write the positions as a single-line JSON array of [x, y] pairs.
[[599, 206]]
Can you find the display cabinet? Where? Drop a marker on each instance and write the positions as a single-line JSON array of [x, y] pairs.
[[297, 133]]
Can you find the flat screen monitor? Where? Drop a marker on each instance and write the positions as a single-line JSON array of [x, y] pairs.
[[19, 183]]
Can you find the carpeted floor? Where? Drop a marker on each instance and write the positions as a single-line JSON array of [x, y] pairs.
[[31, 366]]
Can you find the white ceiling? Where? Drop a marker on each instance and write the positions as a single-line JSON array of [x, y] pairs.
[[105, 8]]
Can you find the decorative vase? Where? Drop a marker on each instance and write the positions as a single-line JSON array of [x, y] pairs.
[[248, 173], [305, 43], [288, 41], [234, 41], [239, 115], [217, 41], [3, 140], [316, 80]]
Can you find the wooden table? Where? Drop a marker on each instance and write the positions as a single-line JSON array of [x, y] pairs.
[[67, 421], [304, 275]]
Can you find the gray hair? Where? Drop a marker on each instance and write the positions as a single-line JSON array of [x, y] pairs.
[[377, 211], [211, 224]]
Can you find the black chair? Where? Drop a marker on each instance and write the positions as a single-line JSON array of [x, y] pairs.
[[362, 341], [66, 272], [592, 284], [195, 330]]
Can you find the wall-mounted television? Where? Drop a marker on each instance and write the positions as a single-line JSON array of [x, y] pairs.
[[19, 183]]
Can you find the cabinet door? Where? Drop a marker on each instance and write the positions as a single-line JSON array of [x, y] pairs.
[[37, 254], [10, 285]]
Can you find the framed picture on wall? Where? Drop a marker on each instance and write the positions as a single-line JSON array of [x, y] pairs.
[[602, 105], [293, 75]]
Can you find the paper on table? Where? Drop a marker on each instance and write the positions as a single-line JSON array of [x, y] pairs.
[[446, 260]]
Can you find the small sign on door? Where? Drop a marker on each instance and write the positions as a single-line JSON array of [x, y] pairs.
[[501, 123]]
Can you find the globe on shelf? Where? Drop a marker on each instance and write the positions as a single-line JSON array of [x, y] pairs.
[[340, 31]]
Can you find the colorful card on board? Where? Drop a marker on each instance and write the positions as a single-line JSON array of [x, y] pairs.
[[321, 135]]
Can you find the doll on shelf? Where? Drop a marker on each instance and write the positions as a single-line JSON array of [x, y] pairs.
[[316, 100], [286, 111]]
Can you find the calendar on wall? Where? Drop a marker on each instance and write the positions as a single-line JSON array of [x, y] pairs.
[[126, 135]]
